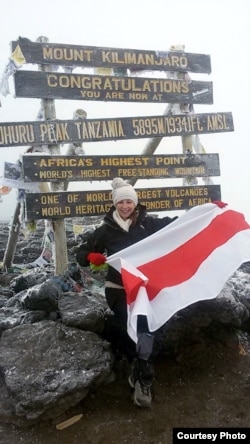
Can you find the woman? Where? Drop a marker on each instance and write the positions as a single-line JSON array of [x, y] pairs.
[[125, 224]]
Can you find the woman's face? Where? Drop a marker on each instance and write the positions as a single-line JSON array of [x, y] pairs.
[[125, 208]]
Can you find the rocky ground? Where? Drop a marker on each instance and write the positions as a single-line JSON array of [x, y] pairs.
[[205, 384]]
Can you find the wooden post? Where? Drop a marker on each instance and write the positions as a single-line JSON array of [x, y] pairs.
[[152, 144], [61, 254], [189, 143], [75, 148], [12, 239]]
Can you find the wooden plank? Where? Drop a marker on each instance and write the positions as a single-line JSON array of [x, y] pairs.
[[51, 85], [98, 130], [86, 168], [90, 203], [91, 56]]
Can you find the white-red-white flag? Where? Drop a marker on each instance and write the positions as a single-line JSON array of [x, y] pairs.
[[187, 261]]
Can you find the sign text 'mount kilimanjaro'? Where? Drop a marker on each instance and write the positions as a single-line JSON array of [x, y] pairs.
[[90, 203], [96, 130], [90, 56], [52, 85], [85, 168]]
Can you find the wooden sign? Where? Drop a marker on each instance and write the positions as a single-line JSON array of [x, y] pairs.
[[98, 130], [85, 168], [55, 85], [90, 56], [90, 203]]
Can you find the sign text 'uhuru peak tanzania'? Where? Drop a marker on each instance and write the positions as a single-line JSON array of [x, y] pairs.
[[97, 130]]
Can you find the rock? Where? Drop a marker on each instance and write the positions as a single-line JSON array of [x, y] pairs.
[[42, 297], [48, 367], [5, 279], [46, 301], [13, 314], [27, 280], [229, 310], [5, 294], [82, 311]]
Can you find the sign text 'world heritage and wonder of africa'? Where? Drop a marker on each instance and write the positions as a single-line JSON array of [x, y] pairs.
[[90, 203]]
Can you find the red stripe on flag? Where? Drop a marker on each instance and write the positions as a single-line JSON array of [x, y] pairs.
[[182, 263], [131, 284]]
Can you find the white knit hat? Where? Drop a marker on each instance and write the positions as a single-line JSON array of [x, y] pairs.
[[123, 190]]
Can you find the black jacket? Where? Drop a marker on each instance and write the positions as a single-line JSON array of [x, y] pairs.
[[110, 238]]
